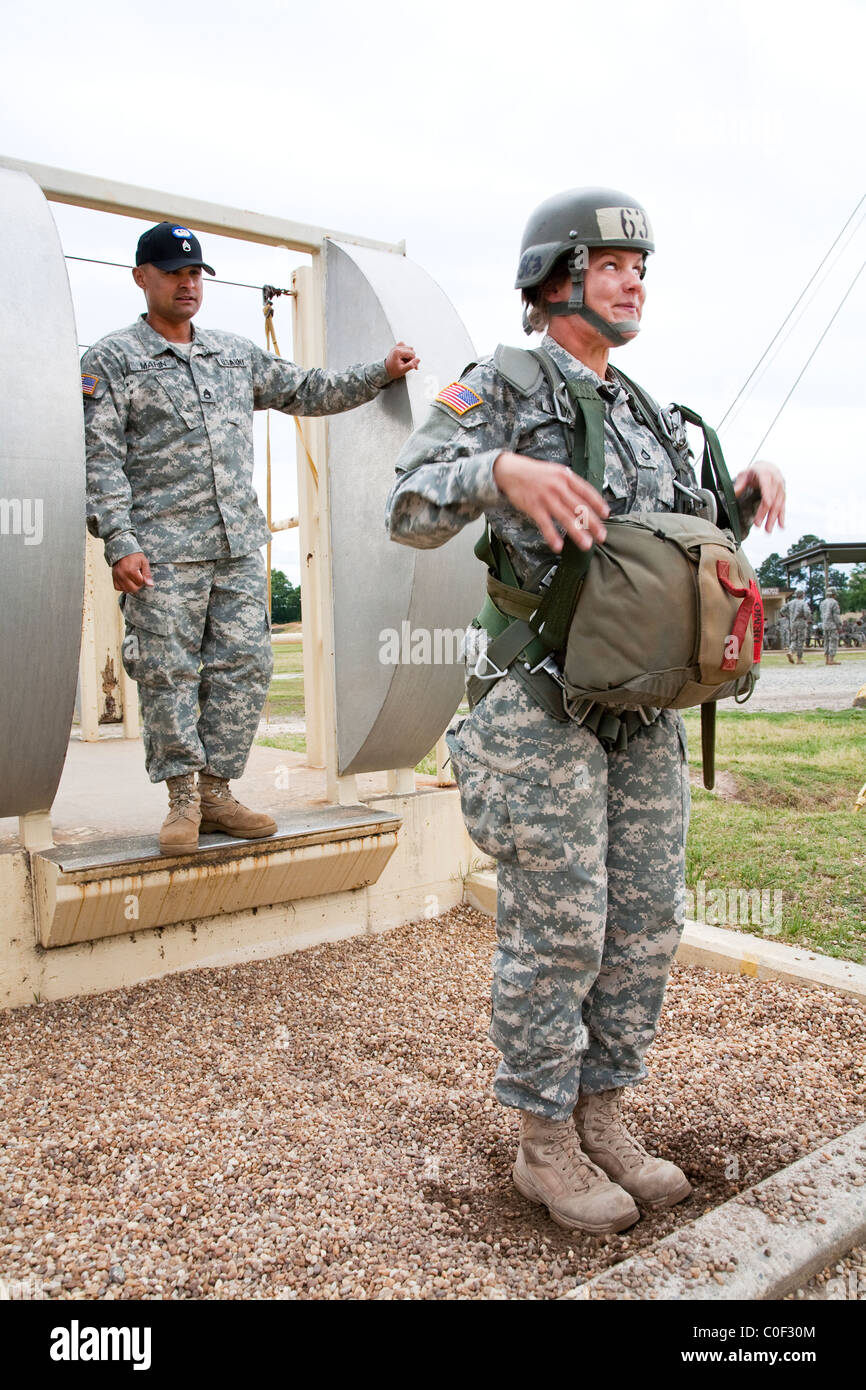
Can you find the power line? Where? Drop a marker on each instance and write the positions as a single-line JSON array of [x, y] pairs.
[[768, 360], [121, 265], [791, 311], [808, 360]]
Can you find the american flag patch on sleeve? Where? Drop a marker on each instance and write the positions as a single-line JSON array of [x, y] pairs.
[[460, 398], [88, 383]]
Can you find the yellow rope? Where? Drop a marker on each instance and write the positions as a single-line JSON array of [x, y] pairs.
[[271, 345]]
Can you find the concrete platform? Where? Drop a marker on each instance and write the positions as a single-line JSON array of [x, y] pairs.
[[101, 909], [105, 792]]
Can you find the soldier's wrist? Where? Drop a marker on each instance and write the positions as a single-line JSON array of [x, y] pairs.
[[378, 375], [119, 546]]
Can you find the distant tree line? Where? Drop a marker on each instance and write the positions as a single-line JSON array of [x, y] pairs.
[[285, 599], [850, 588]]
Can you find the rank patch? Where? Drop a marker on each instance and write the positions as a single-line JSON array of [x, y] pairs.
[[88, 383], [460, 398]]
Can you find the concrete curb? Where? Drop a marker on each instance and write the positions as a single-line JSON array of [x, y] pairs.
[[776, 1235], [731, 952]]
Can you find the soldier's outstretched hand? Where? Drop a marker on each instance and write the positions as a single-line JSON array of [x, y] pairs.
[[766, 479], [400, 360], [552, 495]]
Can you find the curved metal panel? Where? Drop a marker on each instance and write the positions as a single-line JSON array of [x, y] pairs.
[[41, 501], [391, 714]]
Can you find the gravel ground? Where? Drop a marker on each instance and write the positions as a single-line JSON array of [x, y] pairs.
[[321, 1126], [810, 686], [845, 1280]]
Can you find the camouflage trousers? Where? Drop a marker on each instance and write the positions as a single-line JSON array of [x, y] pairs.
[[199, 646], [831, 640], [785, 633], [798, 637], [590, 887]]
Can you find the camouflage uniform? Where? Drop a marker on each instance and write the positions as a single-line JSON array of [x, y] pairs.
[[830, 618], [589, 842], [168, 431], [784, 627], [799, 614]]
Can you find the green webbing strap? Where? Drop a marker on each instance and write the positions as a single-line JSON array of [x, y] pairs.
[[714, 472], [649, 411], [553, 618], [506, 646], [492, 553], [516, 603]]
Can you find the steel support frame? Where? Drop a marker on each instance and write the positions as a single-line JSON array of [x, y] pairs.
[[87, 191]]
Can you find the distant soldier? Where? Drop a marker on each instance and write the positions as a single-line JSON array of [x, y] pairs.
[[860, 633], [799, 615], [830, 619], [784, 626]]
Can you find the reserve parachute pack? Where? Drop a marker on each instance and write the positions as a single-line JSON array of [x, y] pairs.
[[665, 613]]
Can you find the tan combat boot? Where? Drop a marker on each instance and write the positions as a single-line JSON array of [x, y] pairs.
[[551, 1169], [179, 833], [653, 1181], [221, 812]]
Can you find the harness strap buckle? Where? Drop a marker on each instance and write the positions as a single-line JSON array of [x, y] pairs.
[[548, 664], [493, 675]]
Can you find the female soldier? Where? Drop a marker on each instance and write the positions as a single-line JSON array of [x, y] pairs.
[[587, 821]]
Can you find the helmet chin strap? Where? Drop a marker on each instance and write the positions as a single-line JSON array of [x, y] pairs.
[[575, 307]]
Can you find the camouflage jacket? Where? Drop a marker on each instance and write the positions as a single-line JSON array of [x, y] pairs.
[[445, 470], [799, 611], [831, 614], [169, 437]]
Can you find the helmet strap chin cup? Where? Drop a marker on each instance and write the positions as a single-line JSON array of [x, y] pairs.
[[614, 332]]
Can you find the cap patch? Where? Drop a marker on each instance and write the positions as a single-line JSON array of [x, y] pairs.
[[181, 231], [88, 383], [459, 398]]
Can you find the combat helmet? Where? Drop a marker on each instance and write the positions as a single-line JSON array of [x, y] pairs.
[[575, 221]]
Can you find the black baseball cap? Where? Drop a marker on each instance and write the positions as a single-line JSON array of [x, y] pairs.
[[168, 246]]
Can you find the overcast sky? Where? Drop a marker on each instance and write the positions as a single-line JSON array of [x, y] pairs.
[[739, 126]]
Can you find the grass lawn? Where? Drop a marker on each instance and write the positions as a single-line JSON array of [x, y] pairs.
[[787, 823]]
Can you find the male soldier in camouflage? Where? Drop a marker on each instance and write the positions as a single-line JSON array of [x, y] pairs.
[[784, 627], [589, 838], [168, 428], [799, 614], [830, 618]]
